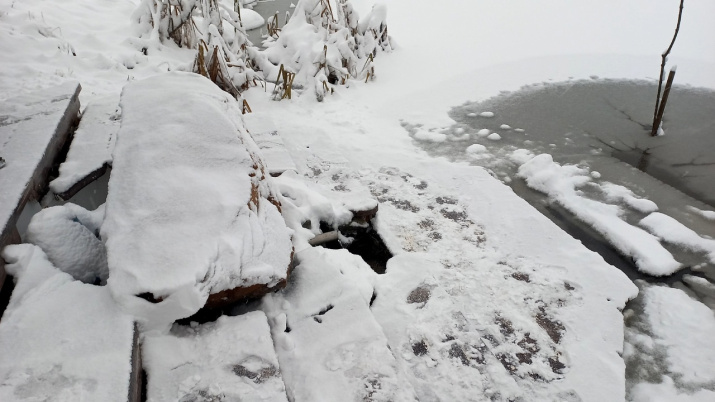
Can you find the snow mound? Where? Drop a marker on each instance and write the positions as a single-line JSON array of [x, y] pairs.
[[251, 19], [476, 149], [230, 359], [190, 210], [560, 182], [60, 339], [494, 137], [672, 231], [486, 114], [68, 236], [616, 193]]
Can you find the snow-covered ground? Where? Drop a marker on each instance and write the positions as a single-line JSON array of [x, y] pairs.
[[485, 299]]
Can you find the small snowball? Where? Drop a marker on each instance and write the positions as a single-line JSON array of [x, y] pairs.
[[472, 114], [505, 127], [519, 130], [486, 114], [483, 132], [595, 175], [459, 130], [494, 137], [476, 149]]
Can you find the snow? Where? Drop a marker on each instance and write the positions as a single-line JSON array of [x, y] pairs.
[[476, 149], [276, 157], [486, 114], [561, 182], [184, 191], [251, 19], [323, 326], [673, 337], [494, 137], [28, 125], [710, 215], [60, 339], [618, 193], [229, 359], [483, 132], [92, 144], [370, 147], [675, 232], [67, 234], [505, 127]]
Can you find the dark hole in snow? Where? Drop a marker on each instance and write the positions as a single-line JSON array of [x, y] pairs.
[[5, 293], [366, 243], [420, 348], [419, 295], [556, 365], [520, 276], [259, 376], [149, 297], [145, 381], [326, 309], [456, 351], [374, 296], [287, 330], [553, 328]]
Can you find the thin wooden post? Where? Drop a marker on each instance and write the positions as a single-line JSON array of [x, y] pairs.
[[664, 59], [661, 109]]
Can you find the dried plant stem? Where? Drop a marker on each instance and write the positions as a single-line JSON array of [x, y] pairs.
[[664, 59]]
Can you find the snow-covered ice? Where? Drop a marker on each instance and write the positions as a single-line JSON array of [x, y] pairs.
[[672, 343], [561, 182]]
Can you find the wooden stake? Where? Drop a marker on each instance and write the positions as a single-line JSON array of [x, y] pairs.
[[661, 109]]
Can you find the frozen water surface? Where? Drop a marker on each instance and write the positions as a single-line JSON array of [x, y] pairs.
[[604, 126]]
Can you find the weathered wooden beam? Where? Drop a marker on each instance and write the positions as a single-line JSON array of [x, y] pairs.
[[34, 128], [136, 377]]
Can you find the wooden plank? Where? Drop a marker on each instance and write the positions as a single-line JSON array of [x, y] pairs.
[[34, 127], [90, 153], [136, 377]]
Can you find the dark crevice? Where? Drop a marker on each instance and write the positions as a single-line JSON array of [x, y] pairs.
[[366, 243], [5, 293]]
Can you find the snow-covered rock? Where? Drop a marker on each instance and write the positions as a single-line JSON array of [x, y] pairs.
[[190, 213]]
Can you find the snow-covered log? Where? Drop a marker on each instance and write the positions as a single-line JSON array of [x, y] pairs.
[[190, 214]]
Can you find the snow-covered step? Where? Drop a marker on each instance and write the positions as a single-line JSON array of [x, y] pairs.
[[33, 129], [61, 339], [90, 153], [230, 359], [329, 345], [274, 152], [190, 219]]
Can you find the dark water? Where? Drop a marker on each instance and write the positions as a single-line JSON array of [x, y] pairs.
[[267, 9]]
